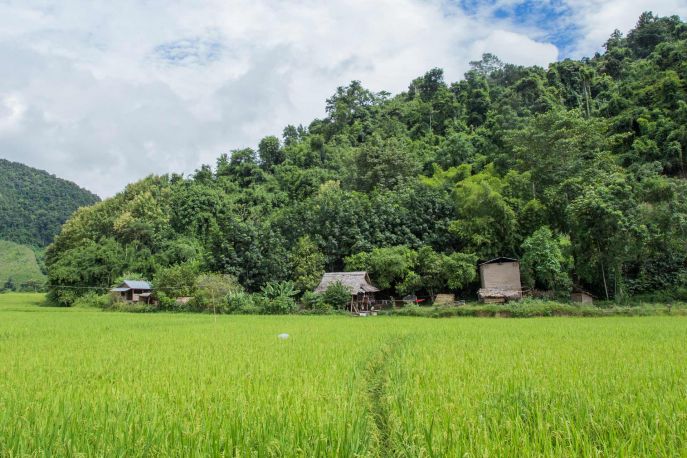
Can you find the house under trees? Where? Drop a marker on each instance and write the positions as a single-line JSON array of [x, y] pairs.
[[358, 283], [500, 280], [133, 291]]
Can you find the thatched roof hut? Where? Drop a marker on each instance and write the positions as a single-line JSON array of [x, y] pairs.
[[356, 282]]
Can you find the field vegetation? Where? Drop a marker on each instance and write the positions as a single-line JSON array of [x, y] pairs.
[[19, 267], [83, 381]]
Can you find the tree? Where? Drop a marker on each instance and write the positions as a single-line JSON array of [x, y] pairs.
[[178, 280], [603, 231], [439, 271], [384, 165], [9, 285], [545, 261], [213, 288], [487, 222], [388, 267], [270, 152], [337, 295], [307, 264]]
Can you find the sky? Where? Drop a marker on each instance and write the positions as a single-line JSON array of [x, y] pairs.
[[103, 93]]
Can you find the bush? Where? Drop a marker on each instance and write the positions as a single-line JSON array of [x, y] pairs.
[[93, 300], [337, 296], [279, 305], [212, 290], [166, 302], [178, 280], [278, 298], [537, 308], [315, 302], [238, 302]]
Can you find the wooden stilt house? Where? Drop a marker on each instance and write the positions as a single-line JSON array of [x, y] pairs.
[[358, 283]]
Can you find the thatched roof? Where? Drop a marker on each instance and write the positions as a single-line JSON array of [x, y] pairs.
[[499, 260], [356, 282], [497, 293]]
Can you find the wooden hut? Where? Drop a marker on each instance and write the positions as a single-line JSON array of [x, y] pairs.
[[582, 297], [133, 291], [500, 280], [358, 283]]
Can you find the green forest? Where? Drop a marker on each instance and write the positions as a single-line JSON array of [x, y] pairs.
[[34, 204], [578, 170]]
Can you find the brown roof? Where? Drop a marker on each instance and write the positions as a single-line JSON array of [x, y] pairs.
[[356, 282], [496, 293], [499, 260]]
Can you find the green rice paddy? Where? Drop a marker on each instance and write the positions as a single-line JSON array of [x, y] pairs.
[[92, 383]]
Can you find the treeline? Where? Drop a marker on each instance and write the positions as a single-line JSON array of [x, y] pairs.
[[35, 204], [577, 169]]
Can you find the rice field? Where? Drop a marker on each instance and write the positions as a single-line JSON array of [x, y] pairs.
[[91, 383]]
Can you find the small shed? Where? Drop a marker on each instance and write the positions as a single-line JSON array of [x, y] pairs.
[[358, 283], [582, 297], [500, 280], [133, 291], [445, 299]]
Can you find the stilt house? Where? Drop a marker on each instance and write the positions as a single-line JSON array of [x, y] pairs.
[[133, 291], [358, 283]]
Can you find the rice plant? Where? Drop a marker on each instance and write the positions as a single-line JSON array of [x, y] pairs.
[[92, 383]]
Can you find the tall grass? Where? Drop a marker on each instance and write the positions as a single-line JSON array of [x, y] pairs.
[[93, 383]]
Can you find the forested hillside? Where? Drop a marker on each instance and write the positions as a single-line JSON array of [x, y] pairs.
[[19, 268], [34, 204], [578, 170]]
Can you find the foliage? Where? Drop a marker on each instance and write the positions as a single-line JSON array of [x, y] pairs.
[[278, 298], [94, 300], [337, 296], [34, 204], [20, 263], [315, 302], [178, 280], [212, 290], [307, 264], [546, 260]]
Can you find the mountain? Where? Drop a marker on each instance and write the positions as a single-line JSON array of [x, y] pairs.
[[577, 170], [34, 204], [19, 266]]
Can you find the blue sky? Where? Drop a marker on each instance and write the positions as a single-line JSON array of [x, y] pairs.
[[550, 17], [104, 93]]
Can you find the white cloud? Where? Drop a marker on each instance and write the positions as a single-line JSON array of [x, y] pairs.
[[106, 93], [597, 19], [514, 47]]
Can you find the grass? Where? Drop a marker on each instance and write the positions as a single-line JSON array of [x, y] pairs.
[[529, 308], [87, 382], [19, 263]]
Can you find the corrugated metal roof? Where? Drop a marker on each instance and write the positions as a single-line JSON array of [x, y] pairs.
[[137, 284], [120, 290], [356, 282]]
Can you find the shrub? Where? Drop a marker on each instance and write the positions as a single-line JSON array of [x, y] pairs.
[[337, 295], [178, 280], [212, 290], [315, 302], [278, 298], [93, 300], [238, 302]]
